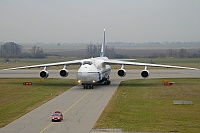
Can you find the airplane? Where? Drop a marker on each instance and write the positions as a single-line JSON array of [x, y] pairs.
[[96, 70]]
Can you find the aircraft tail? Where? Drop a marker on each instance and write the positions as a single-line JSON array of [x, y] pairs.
[[102, 54]]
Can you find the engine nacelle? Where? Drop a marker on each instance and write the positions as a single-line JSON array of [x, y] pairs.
[[145, 73], [121, 72], [64, 72], [44, 74]]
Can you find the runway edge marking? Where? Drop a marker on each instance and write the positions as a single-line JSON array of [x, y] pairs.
[[67, 110]]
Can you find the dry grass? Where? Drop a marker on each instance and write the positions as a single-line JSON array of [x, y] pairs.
[[147, 106], [17, 99]]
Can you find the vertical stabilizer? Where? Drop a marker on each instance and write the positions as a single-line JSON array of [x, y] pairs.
[[102, 54]]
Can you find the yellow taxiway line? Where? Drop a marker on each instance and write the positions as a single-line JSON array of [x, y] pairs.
[[67, 110]]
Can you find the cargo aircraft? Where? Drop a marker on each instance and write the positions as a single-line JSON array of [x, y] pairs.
[[96, 70]]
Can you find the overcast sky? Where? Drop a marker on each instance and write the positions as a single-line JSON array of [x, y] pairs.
[[84, 20]]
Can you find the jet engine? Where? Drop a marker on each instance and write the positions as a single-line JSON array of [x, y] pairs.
[[64, 72], [145, 73], [44, 74], [121, 72]]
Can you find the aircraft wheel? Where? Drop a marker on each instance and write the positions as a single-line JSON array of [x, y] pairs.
[[107, 82], [91, 86]]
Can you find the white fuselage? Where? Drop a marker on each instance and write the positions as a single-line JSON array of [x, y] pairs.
[[93, 70]]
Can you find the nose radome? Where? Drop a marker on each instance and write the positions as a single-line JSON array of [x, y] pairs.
[[84, 76]]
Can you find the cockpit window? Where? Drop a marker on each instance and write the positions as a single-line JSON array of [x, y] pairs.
[[87, 62]]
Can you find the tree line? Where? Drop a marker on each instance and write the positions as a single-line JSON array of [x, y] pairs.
[[13, 50], [181, 53], [94, 51]]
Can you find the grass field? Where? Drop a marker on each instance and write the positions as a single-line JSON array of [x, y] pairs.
[[17, 99], [147, 106]]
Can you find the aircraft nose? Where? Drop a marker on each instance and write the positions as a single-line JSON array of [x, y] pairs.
[[83, 76]]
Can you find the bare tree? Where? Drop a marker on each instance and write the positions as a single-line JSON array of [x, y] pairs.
[[183, 53], [11, 49], [94, 51], [37, 52], [171, 53]]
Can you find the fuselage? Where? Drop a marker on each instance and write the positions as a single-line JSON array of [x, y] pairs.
[[93, 70]]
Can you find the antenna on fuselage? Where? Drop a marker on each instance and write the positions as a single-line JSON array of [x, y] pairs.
[[102, 54]]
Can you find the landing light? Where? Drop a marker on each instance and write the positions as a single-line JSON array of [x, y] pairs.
[[79, 81], [93, 81]]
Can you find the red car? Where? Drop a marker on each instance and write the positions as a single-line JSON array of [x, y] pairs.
[[57, 116]]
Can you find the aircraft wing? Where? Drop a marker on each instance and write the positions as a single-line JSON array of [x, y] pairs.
[[74, 62], [145, 64]]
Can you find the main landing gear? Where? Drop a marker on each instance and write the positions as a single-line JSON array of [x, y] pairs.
[[107, 82], [88, 86], [91, 86]]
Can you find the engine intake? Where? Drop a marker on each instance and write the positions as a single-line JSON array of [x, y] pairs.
[[44, 74], [121, 72], [145, 74], [64, 73]]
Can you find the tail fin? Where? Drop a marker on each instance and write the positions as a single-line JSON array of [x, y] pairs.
[[102, 54]]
